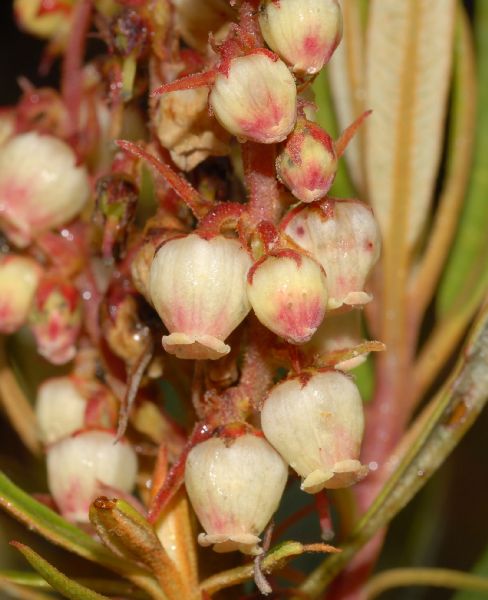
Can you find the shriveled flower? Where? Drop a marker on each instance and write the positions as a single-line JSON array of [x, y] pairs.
[[196, 19], [79, 466], [288, 293], [235, 482], [316, 423], [304, 33], [307, 164], [40, 185], [186, 129], [55, 319], [344, 237], [198, 287], [338, 332], [255, 99], [19, 278], [60, 408]]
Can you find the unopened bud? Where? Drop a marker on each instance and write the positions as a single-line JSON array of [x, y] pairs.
[[288, 293], [235, 485], [40, 185], [198, 287], [344, 237], [308, 163], [256, 98], [79, 466], [60, 409], [304, 33], [55, 320], [316, 423], [19, 278]]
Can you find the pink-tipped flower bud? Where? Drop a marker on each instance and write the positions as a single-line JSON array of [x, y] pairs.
[[235, 484], [198, 287], [60, 409], [56, 319], [338, 332], [19, 278], [40, 185], [255, 99], [344, 237], [78, 467], [316, 423], [307, 164], [304, 33], [288, 293]]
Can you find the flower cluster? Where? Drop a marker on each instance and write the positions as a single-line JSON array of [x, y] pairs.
[[228, 252]]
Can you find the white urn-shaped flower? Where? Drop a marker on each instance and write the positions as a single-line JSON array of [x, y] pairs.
[[316, 423], [19, 279], [41, 186], [80, 466], [235, 482], [304, 33], [255, 98], [60, 408], [198, 287], [344, 237]]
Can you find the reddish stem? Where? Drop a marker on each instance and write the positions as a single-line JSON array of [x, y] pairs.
[[195, 201], [325, 520], [189, 82], [259, 171], [72, 69], [348, 133], [176, 474]]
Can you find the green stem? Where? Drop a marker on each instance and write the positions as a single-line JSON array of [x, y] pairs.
[[443, 578]]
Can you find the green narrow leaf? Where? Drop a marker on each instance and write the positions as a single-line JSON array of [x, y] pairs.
[[111, 587], [480, 568], [431, 439], [465, 278], [21, 593], [128, 534], [52, 526], [57, 530], [64, 585]]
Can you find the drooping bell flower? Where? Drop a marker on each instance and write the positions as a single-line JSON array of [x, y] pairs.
[[235, 481], [41, 186], [198, 287], [56, 319], [255, 98], [316, 423], [307, 164], [79, 466], [288, 293], [338, 332], [19, 278], [304, 33], [344, 237], [60, 408]]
